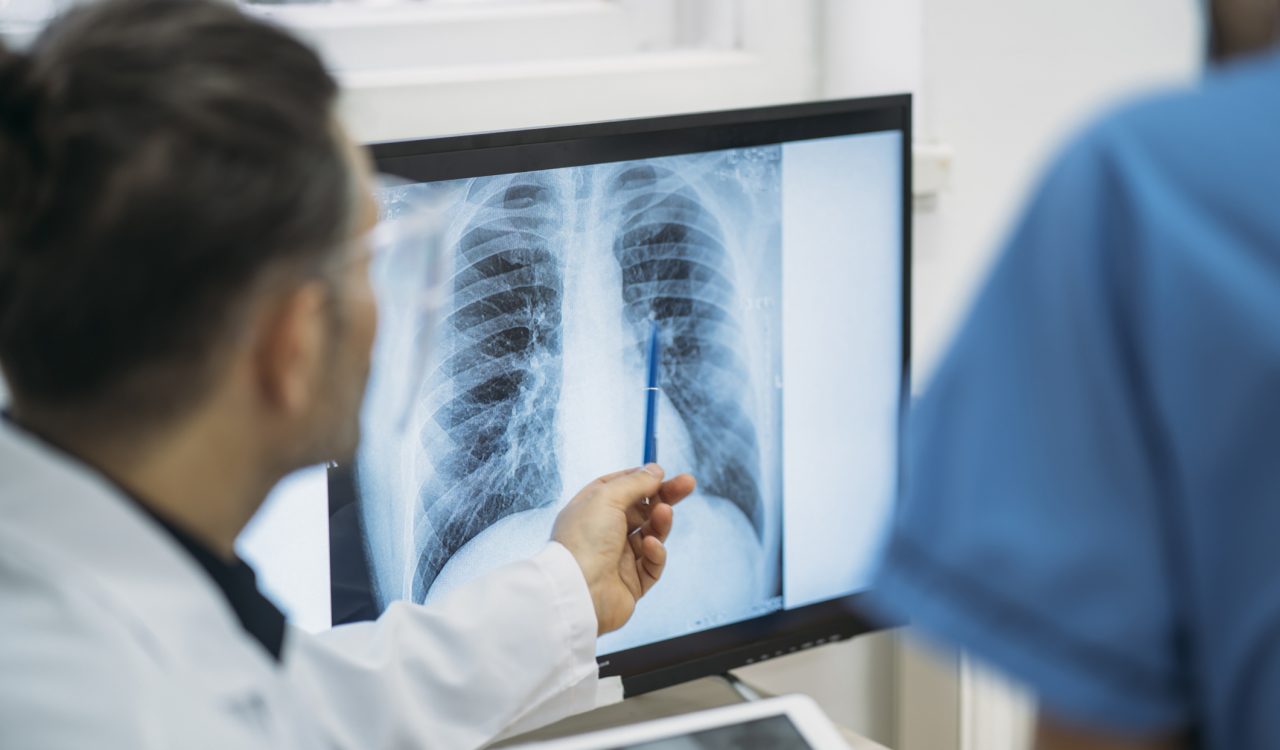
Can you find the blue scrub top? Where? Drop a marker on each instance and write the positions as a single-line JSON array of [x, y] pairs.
[[1092, 491]]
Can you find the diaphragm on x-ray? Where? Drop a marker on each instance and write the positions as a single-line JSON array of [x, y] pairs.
[[535, 382]]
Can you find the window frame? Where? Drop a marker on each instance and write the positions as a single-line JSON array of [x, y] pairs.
[[562, 61]]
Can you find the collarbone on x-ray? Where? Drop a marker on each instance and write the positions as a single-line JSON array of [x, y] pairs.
[[539, 375]]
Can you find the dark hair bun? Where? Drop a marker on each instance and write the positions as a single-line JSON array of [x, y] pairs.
[[20, 155], [17, 92], [19, 107]]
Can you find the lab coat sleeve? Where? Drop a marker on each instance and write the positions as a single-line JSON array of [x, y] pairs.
[[1035, 529], [516, 646]]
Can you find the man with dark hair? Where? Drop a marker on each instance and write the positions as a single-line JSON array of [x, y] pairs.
[[185, 317], [1092, 492]]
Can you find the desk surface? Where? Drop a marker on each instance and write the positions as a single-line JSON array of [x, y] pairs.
[[710, 692]]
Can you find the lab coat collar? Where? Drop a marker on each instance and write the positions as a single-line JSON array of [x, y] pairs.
[[85, 534]]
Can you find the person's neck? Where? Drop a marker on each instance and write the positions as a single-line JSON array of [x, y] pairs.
[[200, 476]]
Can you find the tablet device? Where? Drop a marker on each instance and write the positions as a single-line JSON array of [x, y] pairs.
[[791, 722]]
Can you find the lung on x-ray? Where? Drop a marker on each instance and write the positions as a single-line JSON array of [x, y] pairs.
[[537, 381]]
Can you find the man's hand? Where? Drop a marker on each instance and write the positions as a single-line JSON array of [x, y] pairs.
[[617, 538]]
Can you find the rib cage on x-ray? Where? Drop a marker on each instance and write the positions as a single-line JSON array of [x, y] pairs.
[[662, 240], [492, 401], [675, 270]]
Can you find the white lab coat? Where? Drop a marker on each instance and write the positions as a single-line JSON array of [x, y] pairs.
[[111, 636]]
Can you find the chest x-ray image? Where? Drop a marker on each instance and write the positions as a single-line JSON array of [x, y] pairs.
[[536, 382]]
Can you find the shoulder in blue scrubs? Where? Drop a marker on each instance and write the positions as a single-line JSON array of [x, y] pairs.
[[1092, 498]]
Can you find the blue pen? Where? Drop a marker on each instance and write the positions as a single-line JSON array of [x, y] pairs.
[[651, 399]]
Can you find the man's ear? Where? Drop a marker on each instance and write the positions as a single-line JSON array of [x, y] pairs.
[[1242, 27], [291, 349]]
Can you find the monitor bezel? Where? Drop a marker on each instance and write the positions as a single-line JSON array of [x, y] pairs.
[[721, 649]]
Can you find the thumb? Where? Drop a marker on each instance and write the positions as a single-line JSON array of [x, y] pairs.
[[624, 491]]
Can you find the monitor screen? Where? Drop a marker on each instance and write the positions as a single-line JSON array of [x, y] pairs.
[[767, 248]]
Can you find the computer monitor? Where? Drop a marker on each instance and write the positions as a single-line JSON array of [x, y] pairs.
[[771, 249]]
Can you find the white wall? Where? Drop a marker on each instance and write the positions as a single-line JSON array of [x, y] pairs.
[[1004, 82], [871, 47]]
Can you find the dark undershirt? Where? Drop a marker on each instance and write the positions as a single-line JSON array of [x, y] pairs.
[[235, 579]]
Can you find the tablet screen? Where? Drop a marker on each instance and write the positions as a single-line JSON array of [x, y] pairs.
[[774, 733]]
